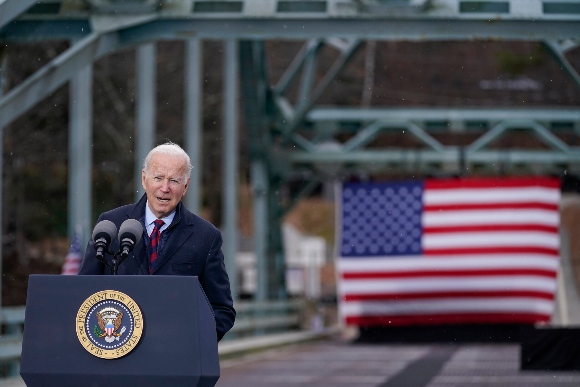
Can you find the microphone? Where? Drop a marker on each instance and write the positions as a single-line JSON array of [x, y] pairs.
[[103, 235], [130, 234]]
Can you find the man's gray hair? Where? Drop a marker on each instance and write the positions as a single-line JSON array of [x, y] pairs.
[[170, 149]]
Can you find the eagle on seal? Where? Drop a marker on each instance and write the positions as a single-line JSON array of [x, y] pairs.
[[109, 320]]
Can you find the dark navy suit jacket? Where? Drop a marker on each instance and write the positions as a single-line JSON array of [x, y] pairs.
[[192, 247]]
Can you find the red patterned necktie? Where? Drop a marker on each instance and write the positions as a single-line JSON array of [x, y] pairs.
[[153, 242]]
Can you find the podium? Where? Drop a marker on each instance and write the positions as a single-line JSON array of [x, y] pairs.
[[167, 336]]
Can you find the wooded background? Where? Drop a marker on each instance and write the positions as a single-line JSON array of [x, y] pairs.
[[34, 218]]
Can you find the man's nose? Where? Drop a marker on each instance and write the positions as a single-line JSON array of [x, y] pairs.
[[165, 185]]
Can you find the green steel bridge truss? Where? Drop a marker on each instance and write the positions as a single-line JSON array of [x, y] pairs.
[[301, 137]]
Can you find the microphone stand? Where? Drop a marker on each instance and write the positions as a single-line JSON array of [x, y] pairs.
[[115, 262]]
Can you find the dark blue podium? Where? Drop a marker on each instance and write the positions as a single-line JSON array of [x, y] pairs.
[[177, 345]]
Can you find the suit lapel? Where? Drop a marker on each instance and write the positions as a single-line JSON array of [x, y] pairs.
[[140, 256], [181, 230], [139, 252]]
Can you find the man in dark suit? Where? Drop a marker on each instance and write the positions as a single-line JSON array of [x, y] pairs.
[[182, 244]]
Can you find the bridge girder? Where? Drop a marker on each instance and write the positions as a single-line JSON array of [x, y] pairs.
[[275, 126]]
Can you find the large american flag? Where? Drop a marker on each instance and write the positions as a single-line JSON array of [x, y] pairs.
[[478, 250]]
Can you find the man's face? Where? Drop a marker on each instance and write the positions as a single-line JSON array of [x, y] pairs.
[[164, 183]]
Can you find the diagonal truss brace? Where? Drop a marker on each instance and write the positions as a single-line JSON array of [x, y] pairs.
[[544, 134], [53, 75], [559, 50], [305, 58], [353, 151], [296, 65], [11, 9], [369, 133], [366, 135]]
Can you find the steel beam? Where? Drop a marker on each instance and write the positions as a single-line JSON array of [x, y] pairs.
[[3, 67], [390, 156], [424, 137], [80, 154], [265, 173], [145, 109], [361, 28], [328, 9], [260, 186], [386, 29], [193, 120], [558, 53], [53, 75], [543, 134], [442, 114], [307, 76], [295, 66], [284, 106], [488, 137], [34, 31], [304, 143], [11, 9], [364, 136], [230, 156], [368, 134], [305, 105], [548, 138], [256, 97]]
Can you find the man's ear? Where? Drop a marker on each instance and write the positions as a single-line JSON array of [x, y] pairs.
[[143, 177], [186, 187]]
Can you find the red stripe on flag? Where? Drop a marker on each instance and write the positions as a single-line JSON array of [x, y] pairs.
[[491, 228], [491, 206], [450, 273], [524, 182], [449, 294], [458, 318], [463, 252]]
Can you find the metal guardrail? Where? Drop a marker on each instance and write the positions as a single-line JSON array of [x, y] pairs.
[[258, 318], [253, 319], [12, 324]]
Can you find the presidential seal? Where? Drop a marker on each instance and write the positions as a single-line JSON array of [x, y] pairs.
[[109, 324]]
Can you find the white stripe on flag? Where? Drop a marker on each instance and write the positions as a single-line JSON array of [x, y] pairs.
[[485, 239], [451, 283], [394, 264], [516, 304], [455, 196], [490, 217]]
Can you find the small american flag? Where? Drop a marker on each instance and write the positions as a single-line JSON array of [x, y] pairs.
[[72, 261], [480, 250]]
